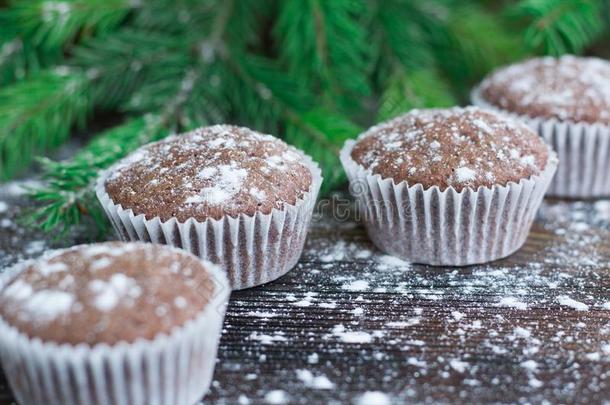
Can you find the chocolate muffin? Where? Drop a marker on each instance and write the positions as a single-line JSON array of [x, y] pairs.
[[456, 148], [565, 100], [211, 191], [209, 173], [449, 186], [568, 88], [101, 321]]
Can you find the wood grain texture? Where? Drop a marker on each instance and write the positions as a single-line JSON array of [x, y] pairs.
[[348, 319]]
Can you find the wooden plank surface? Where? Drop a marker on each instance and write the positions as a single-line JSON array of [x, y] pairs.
[[352, 325]]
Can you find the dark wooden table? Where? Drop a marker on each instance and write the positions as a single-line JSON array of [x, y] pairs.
[[351, 325]]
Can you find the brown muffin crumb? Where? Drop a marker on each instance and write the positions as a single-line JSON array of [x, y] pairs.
[[208, 173], [457, 147], [568, 88], [106, 293]]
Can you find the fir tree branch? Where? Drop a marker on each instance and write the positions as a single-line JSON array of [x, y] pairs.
[[420, 88], [120, 62], [559, 26], [68, 196], [407, 69], [34, 34], [324, 43], [51, 24], [473, 42], [37, 114]]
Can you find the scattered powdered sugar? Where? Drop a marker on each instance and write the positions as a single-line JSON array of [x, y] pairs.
[[458, 365], [351, 336], [267, 339], [46, 305], [19, 290], [357, 285], [572, 303], [109, 293], [464, 174], [373, 398], [259, 194], [320, 382], [276, 397], [227, 180], [47, 268], [512, 302], [3, 207]]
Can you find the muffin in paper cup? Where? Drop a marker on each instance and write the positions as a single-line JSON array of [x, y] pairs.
[[111, 323], [230, 195], [566, 101], [450, 187]]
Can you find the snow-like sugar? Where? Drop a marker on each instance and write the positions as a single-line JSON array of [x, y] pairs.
[[109, 293], [458, 365], [267, 339], [572, 303], [512, 302], [320, 382], [457, 315], [18, 290], [47, 269], [373, 397], [529, 365], [207, 172], [259, 194], [464, 174], [355, 337], [3, 207], [482, 125], [227, 181], [100, 263], [276, 397], [357, 285], [47, 305]]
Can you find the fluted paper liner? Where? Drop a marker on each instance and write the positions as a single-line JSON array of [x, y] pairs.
[[171, 369], [252, 250], [446, 227], [583, 150]]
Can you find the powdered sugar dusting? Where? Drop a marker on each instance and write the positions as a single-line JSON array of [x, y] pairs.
[[458, 147], [567, 88], [211, 171], [109, 293], [227, 181], [464, 174], [572, 303]]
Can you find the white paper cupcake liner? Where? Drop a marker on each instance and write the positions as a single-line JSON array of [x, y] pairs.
[[447, 227], [252, 250], [167, 370], [583, 150]]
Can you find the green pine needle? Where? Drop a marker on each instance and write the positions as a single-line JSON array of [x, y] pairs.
[[68, 195], [37, 115], [323, 43], [418, 89], [321, 134], [560, 26], [50, 24]]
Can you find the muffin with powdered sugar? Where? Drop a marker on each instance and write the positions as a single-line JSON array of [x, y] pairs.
[[449, 186]]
